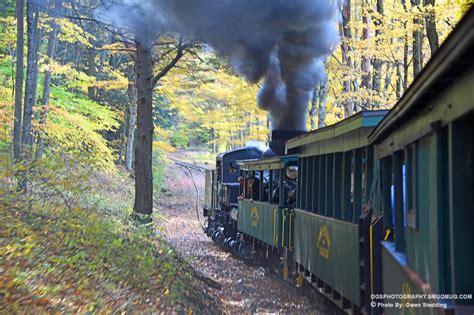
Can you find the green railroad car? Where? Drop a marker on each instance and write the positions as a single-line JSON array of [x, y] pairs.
[[376, 211], [336, 171], [425, 149]]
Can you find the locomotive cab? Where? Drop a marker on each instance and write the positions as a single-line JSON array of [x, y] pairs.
[[221, 194]]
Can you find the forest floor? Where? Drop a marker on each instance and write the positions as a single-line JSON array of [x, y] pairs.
[[244, 288], [68, 245]]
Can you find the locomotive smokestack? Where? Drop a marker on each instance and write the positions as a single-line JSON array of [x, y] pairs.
[[279, 138], [282, 42]]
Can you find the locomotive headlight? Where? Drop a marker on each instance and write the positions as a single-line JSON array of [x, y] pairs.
[[234, 214]]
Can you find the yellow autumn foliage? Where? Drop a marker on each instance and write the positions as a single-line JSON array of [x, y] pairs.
[[217, 100]]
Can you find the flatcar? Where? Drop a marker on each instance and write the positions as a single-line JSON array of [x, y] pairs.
[[375, 211]]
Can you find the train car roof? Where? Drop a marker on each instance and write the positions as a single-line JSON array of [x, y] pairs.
[[348, 134], [450, 62], [274, 163], [221, 156]]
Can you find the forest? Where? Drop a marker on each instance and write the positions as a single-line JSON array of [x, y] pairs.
[[97, 99]]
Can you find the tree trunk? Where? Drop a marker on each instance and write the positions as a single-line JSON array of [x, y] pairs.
[[52, 38], [17, 125], [323, 93], [131, 124], [31, 72], [143, 146], [211, 140], [377, 63], [123, 142], [345, 37], [403, 82], [366, 59], [417, 41], [388, 80], [355, 87], [91, 71], [314, 107], [430, 21], [400, 82]]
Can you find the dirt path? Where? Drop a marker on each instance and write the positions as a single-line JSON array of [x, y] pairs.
[[245, 288]]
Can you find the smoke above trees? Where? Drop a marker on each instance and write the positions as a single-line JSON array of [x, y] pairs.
[[280, 42]]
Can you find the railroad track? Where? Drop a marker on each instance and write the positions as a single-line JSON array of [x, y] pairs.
[[194, 166], [190, 167], [270, 271]]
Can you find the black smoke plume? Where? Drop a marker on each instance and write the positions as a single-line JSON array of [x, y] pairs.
[[283, 42]]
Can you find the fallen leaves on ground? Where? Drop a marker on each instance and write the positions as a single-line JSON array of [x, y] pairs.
[[60, 258], [245, 288]]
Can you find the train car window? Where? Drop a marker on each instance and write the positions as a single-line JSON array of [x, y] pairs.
[[245, 195], [241, 181], [249, 180], [298, 197], [310, 179], [338, 185], [315, 192], [275, 191], [398, 200], [460, 144], [363, 187], [218, 171], [347, 186], [291, 185], [322, 185], [265, 185], [411, 218], [404, 192], [368, 177], [330, 185], [304, 186], [386, 183], [232, 167], [357, 185], [271, 186], [255, 178]]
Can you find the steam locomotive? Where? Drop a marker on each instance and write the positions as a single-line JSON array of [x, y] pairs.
[[375, 211]]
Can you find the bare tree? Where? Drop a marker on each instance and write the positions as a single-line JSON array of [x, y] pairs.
[[132, 120], [322, 111], [377, 63], [144, 140], [366, 82], [314, 107], [430, 21], [345, 31], [402, 87], [32, 16], [18, 78], [146, 81], [417, 41], [50, 53], [318, 105]]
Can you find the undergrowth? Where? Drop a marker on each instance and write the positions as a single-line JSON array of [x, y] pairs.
[[68, 245]]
